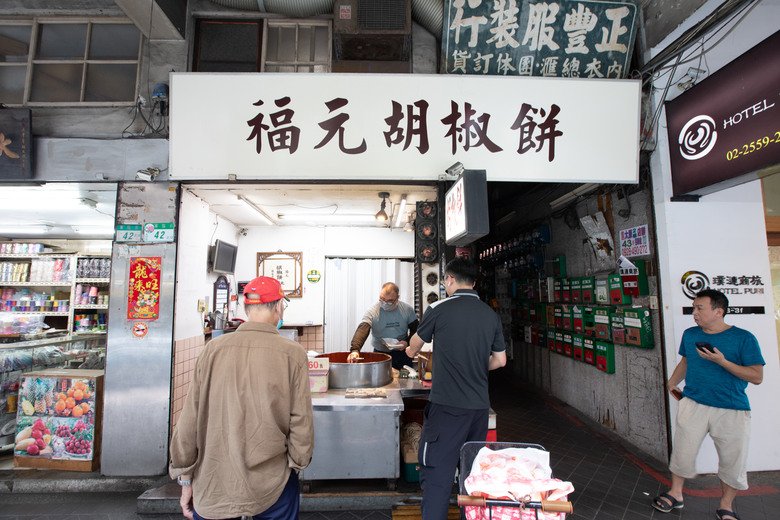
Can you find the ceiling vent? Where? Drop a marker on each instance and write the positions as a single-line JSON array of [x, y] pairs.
[[376, 30]]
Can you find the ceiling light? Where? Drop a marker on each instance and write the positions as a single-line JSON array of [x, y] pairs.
[[325, 217], [381, 215], [259, 211], [568, 198], [97, 231], [25, 230], [401, 209]]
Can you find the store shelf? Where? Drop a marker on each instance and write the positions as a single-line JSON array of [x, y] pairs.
[[39, 313], [74, 268], [36, 284], [58, 254]]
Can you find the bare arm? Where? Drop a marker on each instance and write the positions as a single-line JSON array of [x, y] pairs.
[[497, 360], [415, 344], [752, 374], [677, 376]]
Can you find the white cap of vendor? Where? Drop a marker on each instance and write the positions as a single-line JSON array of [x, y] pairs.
[[264, 289]]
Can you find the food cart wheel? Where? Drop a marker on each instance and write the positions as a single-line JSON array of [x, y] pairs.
[[392, 484]]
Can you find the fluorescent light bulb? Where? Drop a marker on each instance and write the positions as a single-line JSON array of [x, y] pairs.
[[103, 231], [25, 230], [401, 209], [579, 191], [256, 209], [325, 217]]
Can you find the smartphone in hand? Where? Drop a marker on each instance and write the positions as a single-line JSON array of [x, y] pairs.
[[703, 345]]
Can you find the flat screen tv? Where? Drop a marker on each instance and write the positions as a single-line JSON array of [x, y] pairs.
[[223, 257]]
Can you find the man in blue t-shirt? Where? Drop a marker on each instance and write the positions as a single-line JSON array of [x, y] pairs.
[[468, 342], [387, 319], [718, 361]]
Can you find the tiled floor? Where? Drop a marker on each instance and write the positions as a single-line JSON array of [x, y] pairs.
[[610, 481]]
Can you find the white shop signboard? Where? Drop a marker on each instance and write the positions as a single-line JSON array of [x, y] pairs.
[[402, 127]]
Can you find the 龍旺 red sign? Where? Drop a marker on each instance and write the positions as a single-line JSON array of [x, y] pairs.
[[143, 294]]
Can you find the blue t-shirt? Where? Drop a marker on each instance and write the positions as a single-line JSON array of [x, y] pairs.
[[710, 384], [388, 324]]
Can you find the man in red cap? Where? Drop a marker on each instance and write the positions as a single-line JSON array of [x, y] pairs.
[[246, 428]]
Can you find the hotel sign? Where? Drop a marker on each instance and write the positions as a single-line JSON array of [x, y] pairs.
[[725, 130]]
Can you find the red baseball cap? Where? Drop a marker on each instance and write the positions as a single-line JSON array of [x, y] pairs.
[[264, 289]]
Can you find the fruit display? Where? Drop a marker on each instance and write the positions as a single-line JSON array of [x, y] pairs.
[[34, 439], [56, 418], [55, 437], [57, 396]]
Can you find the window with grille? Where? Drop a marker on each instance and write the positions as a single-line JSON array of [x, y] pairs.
[[269, 45], [70, 62]]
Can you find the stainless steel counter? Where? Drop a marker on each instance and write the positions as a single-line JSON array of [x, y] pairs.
[[359, 438]]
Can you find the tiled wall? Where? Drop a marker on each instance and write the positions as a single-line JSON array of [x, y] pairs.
[[186, 351], [313, 338]]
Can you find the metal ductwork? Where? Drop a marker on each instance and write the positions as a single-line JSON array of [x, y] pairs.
[[428, 13]]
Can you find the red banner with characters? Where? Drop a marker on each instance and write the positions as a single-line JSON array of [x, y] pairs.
[[143, 295]]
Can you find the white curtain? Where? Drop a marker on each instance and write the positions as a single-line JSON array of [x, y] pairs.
[[352, 285]]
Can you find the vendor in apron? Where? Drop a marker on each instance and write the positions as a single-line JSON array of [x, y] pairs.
[[387, 320]]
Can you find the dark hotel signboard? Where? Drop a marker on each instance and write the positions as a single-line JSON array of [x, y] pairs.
[[15, 144], [725, 130]]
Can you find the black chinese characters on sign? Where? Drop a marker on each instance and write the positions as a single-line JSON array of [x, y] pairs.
[[536, 127]]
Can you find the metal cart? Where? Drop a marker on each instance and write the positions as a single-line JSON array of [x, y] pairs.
[[468, 453]]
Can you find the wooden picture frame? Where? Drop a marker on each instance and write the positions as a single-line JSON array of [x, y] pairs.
[[286, 267]]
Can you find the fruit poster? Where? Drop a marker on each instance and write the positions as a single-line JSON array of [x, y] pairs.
[[56, 417], [143, 294]]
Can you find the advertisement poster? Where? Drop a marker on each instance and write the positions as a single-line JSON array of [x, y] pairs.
[[143, 295], [634, 241]]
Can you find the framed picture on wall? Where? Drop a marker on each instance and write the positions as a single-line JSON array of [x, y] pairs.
[[285, 267]]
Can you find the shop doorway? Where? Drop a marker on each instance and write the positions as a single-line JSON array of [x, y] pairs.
[[352, 286]]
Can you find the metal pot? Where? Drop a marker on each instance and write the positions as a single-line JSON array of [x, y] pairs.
[[374, 370]]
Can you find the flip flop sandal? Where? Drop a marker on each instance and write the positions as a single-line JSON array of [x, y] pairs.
[[720, 513], [663, 507]]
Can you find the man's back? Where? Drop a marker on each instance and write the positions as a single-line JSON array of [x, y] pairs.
[[465, 331], [249, 421]]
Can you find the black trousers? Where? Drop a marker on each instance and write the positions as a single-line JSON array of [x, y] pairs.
[[445, 429]]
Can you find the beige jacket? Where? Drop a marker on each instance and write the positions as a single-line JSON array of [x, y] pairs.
[[246, 421]]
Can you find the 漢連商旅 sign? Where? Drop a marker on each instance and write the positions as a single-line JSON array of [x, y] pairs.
[[405, 126], [313, 276], [737, 287], [582, 38]]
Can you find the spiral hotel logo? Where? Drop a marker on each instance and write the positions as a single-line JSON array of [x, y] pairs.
[[693, 282], [697, 137]]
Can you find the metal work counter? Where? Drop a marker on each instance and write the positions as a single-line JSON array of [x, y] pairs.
[[359, 438]]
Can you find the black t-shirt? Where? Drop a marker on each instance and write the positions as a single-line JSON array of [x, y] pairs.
[[465, 331]]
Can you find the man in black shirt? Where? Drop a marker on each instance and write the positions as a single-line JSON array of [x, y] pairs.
[[468, 344]]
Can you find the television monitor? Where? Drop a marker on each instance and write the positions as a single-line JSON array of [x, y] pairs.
[[223, 257], [466, 209]]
